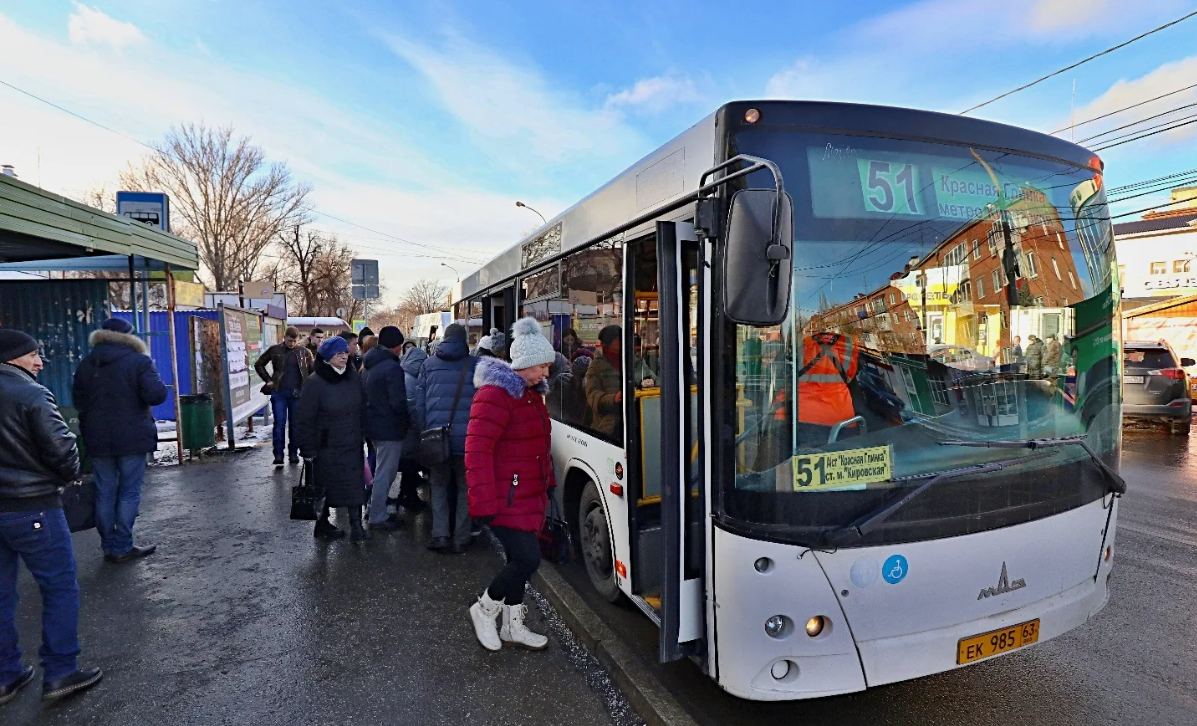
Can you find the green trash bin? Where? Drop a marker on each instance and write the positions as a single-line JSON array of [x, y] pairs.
[[196, 418]]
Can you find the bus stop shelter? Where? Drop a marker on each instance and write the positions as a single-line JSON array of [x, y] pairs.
[[44, 232]]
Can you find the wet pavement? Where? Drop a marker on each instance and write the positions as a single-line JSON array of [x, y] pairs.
[[242, 617], [1129, 665]]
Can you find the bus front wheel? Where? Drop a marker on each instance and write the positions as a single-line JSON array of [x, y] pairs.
[[595, 543]]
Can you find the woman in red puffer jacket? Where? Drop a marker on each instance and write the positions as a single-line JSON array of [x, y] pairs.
[[509, 471]]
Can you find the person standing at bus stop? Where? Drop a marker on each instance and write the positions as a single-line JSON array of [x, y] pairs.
[[116, 385], [38, 459], [510, 471], [290, 365], [386, 422], [444, 392]]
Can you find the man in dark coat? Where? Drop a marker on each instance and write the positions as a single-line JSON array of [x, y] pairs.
[[290, 365], [443, 373], [409, 468], [331, 439], [115, 387], [386, 419], [37, 459]]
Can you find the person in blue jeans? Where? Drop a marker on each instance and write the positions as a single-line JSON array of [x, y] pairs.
[[115, 387], [38, 458], [290, 364]]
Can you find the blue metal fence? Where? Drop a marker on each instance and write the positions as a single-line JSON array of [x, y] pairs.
[[60, 314], [158, 341]]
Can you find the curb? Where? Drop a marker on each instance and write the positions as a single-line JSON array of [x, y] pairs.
[[644, 691]]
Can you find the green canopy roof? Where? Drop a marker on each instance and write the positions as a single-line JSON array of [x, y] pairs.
[[38, 225]]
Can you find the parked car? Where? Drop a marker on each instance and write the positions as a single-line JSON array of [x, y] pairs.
[[1155, 385], [961, 357]]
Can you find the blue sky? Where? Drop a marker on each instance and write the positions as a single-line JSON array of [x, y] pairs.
[[428, 120]]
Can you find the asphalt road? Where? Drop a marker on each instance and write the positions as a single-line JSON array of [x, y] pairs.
[[1130, 665], [242, 617]]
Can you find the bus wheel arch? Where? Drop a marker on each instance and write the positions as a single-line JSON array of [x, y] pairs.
[[586, 510]]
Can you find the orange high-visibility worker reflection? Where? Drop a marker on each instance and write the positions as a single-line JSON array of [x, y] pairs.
[[829, 364]]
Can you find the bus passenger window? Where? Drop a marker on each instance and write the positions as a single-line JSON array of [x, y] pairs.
[[574, 300]]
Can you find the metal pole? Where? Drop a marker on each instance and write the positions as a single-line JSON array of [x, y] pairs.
[[174, 358], [133, 296]]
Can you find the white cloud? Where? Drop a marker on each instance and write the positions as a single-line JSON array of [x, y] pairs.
[[1052, 15], [656, 94], [511, 111], [1164, 79], [92, 26], [934, 52], [394, 186]]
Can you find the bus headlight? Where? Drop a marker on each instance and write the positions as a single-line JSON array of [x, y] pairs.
[[814, 626], [775, 626]]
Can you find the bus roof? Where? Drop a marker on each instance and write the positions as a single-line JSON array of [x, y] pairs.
[[673, 170]]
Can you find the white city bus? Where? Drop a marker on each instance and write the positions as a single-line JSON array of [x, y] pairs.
[[798, 530]]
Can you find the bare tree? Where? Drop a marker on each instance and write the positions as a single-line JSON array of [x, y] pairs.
[[224, 196], [314, 268], [424, 296], [100, 197]]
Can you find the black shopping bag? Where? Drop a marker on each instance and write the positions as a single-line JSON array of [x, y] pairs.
[[79, 505], [554, 537], [307, 499]]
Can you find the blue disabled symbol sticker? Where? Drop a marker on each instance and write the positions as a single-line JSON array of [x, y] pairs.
[[894, 570]]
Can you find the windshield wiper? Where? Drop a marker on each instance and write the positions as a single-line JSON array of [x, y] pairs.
[[1116, 483], [867, 523]]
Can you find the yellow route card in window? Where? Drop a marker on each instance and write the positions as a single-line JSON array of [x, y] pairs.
[[851, 469]]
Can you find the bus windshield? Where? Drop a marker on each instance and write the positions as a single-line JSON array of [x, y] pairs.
[[942, 293]]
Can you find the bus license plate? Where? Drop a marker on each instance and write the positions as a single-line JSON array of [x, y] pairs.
[[997, 641], [1133, 379]]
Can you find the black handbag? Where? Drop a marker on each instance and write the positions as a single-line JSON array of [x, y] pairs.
[[435, 445], [554, 538], [79, 505], [307, 499]]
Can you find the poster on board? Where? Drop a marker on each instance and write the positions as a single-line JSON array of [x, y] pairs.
[[241, 344]]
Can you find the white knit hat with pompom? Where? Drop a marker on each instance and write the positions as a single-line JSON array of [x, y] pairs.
[[528, 347]]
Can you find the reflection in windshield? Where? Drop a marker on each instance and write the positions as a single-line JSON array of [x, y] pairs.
[[939, 293]]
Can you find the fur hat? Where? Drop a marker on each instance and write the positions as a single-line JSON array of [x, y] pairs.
[[528, 346]]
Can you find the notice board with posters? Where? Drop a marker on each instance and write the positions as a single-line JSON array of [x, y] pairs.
[[241, 344]]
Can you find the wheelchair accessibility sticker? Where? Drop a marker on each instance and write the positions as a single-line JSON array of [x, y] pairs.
[[894, 570]]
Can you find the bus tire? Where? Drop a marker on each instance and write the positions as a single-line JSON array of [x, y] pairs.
[[594, 543]]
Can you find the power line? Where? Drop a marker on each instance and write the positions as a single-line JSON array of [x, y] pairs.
[[1124, 108], [1144, 136], [1136, 123], [151, 148], [1147, 182], [78, 116], [384, 234], [1079, 63]]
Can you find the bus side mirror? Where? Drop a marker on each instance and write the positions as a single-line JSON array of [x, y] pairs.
[[760, 265], [1186, 362]]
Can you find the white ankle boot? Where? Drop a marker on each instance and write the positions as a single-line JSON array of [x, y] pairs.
[[483, 614], [514, 631]]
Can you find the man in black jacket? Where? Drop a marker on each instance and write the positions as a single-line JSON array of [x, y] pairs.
[[290, 365], [386, 418], [37, 459], [115, 386]]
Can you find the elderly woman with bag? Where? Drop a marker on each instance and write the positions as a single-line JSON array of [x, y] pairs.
[[509, 471], [330, 427]]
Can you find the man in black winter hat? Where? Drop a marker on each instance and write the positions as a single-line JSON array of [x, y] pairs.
[[37, 460]]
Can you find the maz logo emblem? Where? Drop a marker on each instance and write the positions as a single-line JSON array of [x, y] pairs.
[[1004, 585]]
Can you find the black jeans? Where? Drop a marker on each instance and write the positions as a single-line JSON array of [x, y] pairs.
[[523, 557]]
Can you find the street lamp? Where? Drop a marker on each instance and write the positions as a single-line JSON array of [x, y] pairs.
[[455, 272], [530, 209]]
